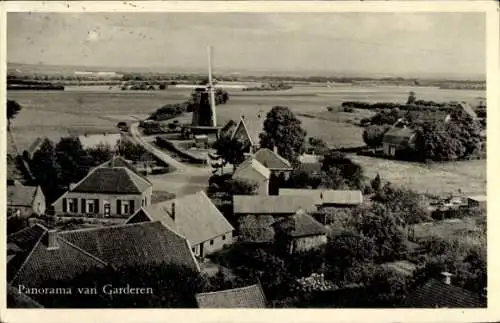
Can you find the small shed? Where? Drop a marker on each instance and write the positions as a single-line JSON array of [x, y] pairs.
[[201, 141]]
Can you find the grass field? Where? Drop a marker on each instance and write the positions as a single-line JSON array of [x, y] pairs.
[[442, 179], [469, 231], [97, 109]]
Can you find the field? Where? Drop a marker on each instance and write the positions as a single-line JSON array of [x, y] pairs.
[[97, 110], [443, 179]]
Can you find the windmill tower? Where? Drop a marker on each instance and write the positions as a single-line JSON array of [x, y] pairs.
[[203, 117]]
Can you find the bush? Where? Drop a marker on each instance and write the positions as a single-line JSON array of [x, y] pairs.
[[330, 108], [373, 135], [348, 109]]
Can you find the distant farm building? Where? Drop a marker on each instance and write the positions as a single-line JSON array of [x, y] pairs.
[[477, 201]]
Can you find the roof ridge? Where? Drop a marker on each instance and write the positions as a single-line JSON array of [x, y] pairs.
[[106, 227], [27, 257], [230, 290], [134, 177], [82, 250]]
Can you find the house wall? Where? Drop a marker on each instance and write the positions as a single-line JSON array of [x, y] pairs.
[[307, 243], [390, 149], [39, 202], [208, 247], [251, 174], [111, 198]]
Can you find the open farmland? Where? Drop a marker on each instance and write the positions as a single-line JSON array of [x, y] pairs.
[[98, 109], [441, 179]]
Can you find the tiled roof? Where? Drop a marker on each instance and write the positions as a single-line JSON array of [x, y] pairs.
[[260, 171], [272, 160], [119, 180], [479, 198], [244, 297], [131, 244], [273, 204], [20, 195], [427, 116], [347, 197], [16, 299], [435, 293], [398, 136], [303, 225], [196, 217], [119, 161], [20, 244], [80, 250]]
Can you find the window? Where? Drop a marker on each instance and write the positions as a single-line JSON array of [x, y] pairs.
[[211, 242], [91, 206], [107, 208], [72, 205], [143, 202], [193, 249], [224, 237], [125, 207]]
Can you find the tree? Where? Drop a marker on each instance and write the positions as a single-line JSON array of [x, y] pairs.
[[46, 169], [376, 183], [283, 130], [435, 142], [386, 287], [318, 146], [72, 159], [230, 150], [411, 98], [373, 135], [130, 150], [241, 187], [13, 109], [99, 154], [338, 165]]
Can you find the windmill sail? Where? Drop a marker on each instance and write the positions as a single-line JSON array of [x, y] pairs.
[[211, 89]]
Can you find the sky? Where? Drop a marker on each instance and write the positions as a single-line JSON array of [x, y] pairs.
[[370, 43]]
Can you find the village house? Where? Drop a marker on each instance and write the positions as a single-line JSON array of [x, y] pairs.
[[39, 255], [252, 170], [24, 200], [477, 201], [441, 293], [249, 137], [327, 198], [195, 217], [303, 232], [275, 205], [243, 297], [398, 139], [109, 190]]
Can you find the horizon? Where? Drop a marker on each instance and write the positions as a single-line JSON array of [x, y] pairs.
[[387, 45]]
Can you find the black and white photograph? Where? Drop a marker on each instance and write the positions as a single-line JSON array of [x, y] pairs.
[[246, 160]]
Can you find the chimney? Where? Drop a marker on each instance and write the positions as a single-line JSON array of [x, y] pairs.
[[52, 239], [275, 149], [172, 212], [446, 277]]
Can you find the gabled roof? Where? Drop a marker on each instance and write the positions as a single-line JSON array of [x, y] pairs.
[[241, 132], [272, 160], [398, 136], [467, 109], [272, 204], [435, 293], [346, 197], [119, 180], [119, 161], [20, 195], [304, 225], [81, 250], [196, 217], [243, 297], [260, 170]]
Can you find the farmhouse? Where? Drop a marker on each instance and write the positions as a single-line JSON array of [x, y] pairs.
[[252, 170], [440, 293], [107, 190], [275, 205], [25, 200], [303, 231], [243, 297], [398, 139], [327, 198], [193, 216], [44, 255]]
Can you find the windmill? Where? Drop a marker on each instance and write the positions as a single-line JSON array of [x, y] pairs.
[[207, 119]]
